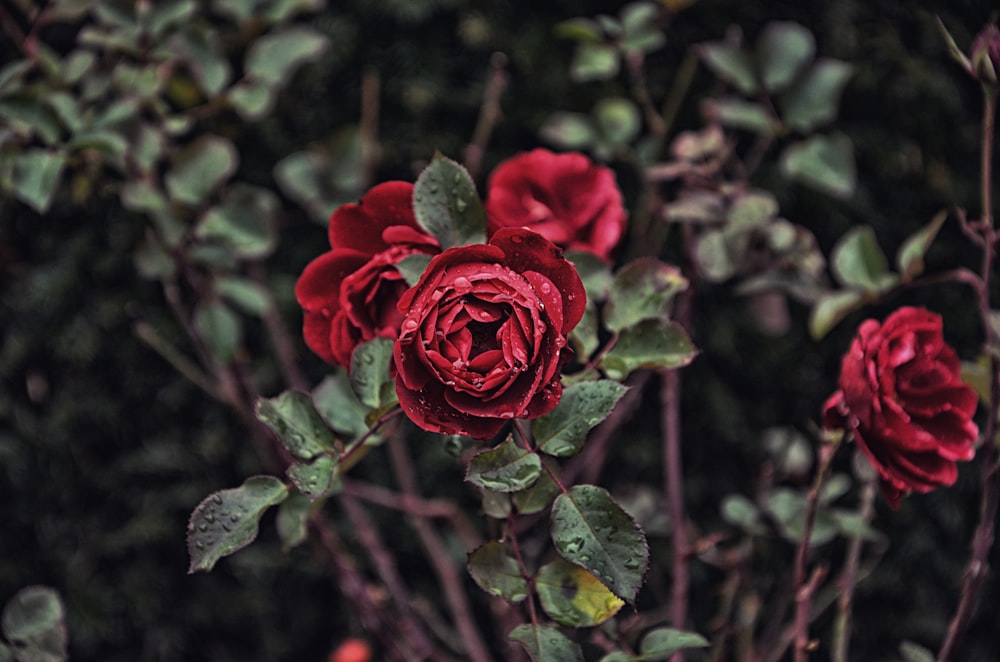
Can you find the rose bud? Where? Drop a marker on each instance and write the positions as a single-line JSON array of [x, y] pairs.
[[902, 398], [349, 294], [483, 339], [566, 198]]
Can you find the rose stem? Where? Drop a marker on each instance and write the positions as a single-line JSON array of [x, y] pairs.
[[529, 580], [438, 554], [281, 340], [674, 477], [804, 589], [849, 578], [489, 114], [982, 540]]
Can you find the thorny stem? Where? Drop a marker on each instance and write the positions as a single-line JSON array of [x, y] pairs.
[[451, 580], [982, 540], [804, 589], [849, 578]]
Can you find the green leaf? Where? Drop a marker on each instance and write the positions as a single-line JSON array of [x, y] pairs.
[[496, 504], [593, 271], [826, 163], [36, 177], [642, 289], [295, 420], [545, 643], [247, 295], [713, 255], [200, 168], [337, 403], [584, 336], [539, 496], [579, 29], [815, 99], [243, 222], [831, 308], [910, 258], [858, 261], [788, 508], [912, 652], [573, 597], [852, 525], [447, 205], [648, 344], [617, 656], [784, 49], [562, 431], [274, 57], [497, 573], [198, 47], [226, 521], [591, 530], [371, 380], [505, 468], [33, 623], [740, 114], [220, 327], [742, 512], [751, 210], [594, 61], [252, 99], [568, 131], [730, 64], [317, 478], [412, 267], [618, 120], [661, 643], [293, 518]]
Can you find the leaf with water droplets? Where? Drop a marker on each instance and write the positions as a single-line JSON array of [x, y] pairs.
[[293, 517], [412, 267], [447, 205], [591, 530], [506, 468], [370, 376], [226, 521], [649, 344], [497, 573], [642, 289], [545, 643], [539, 496], [317, 478], [573, 597], [295, 420], [562, 431]]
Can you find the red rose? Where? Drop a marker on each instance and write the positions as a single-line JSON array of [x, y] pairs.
[[349, 294], [563, 197], [902, 397], [484, 336]]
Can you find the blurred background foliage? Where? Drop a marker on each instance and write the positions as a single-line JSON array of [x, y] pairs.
[[219, 134]]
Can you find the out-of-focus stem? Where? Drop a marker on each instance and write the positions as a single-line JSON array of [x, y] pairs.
[[848, 580], [982, 540], [489, 114], [673, 469]]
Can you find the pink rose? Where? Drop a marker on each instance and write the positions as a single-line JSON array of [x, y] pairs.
[[902, 397], [566, 198], [484, 334], [349, 294]]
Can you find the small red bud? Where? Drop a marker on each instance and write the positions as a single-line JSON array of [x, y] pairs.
[[351, 650]]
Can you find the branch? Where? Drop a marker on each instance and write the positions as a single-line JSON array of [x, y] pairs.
[[489, 114]]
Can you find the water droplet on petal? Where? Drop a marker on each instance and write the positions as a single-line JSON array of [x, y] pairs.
[[516, 239], [410, 325], [462, 284], [546, 288]]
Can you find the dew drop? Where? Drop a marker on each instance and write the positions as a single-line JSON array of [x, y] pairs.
[[234, 518], [325, 312], [200, 545], [462, 284], [209, 517], [410, 325], [203, 527], [217, 499], [546, 288], [460, 205], [516, 239]]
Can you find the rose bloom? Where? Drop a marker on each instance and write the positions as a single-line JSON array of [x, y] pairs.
[[902, 397], [566, 198], [349, 295], [484, 334]]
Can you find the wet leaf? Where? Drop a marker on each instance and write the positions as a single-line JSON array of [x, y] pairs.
[[506, 468], [573, 597], [317, 478], [545, 643], [648, 344], [497, 573], [226, 521], [591, 530], [539, 496], [295, 420], [642, 289], [562, 431], [447, 205], [370, 376], [337, 403], [293, 518]]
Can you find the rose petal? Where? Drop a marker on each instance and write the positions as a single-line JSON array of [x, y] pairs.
[[359, 226]]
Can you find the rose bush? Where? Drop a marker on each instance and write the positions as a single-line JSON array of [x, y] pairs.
[[902, 398], [349, 294], [566, 198], [484, 334]]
